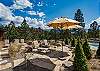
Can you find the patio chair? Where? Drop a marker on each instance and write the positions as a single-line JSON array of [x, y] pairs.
[[3, 62], [4, 54], [46, 44], [41, 47], [6, 44], [28, 47], [36, 44], [16, 41]]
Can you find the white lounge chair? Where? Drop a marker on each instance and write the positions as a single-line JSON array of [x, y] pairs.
[[46, 44], [4, 54], [6, 43], [36, 44], [22, 40], [3, 62], [16, 41]]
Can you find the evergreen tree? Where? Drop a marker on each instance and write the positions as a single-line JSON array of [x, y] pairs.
[[1, 26], [66, 41], [80, 62], [98, 51], [11, 32], [93, 28], [25, 31], [87, 50], [79, 17], [73, 43]]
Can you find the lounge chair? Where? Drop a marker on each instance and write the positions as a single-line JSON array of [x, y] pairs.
[[41, 47], [28, 47], [46, 44], [3, 62], [6, 44], [36, 44], [4, 54]]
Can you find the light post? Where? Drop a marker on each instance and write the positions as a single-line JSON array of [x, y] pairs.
[[99, 34]]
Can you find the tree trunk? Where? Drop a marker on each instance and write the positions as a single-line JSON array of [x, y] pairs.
[[12, 62]]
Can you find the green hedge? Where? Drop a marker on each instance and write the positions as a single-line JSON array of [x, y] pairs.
[[80, 61], [87, 50], [98, 51]]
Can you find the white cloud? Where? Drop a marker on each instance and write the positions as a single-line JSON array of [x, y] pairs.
[[34, 22], [5, 12], [40, 14], [54, 4], [98, 20], [43, 25], [21, 4], [7, 17], [40, 4], [37, 23], [18, 19], [32, 13]]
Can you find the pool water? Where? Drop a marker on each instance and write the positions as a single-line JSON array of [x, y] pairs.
[[94, 45]]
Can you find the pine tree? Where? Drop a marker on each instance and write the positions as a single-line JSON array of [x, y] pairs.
[[11, 31], [1, 26], [93, 28], [66, 41], [87, 50], [73, 43], [98, 51], [80, 62], [79, 17], [25, 31]]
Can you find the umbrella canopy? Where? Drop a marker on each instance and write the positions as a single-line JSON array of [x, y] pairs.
[[73, 26], [62, 22]]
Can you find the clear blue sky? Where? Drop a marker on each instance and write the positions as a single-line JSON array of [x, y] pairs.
[[58, 8], [90, 9]]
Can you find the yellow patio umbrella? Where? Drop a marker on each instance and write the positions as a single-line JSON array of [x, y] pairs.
[[62, 23], [73, 26]]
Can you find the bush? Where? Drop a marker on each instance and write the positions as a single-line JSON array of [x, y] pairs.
[[87, 50], [66, 41], [80, 62], [73, 43], [98, 51]]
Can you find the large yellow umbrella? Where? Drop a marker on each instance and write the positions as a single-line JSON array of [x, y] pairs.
[[73, 26], [63, 23]]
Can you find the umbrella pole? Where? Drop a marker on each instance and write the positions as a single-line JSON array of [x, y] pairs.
[[62, 40], [99, 36], [55, 35], [62, 47]]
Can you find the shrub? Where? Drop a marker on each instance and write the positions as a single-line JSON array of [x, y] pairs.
[[80, 62], [87, 50], [73, 43], [66, 41], [98, 51]]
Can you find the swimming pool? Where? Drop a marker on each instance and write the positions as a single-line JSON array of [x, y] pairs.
[[93, 45]]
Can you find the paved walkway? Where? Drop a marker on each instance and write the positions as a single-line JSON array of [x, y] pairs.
[[56, 61], [8, 65]]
